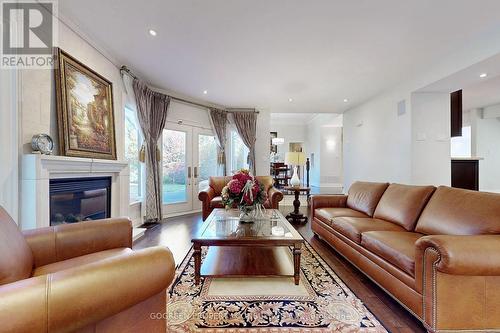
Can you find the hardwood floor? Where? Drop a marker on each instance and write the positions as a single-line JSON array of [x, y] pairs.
[[176, 233]]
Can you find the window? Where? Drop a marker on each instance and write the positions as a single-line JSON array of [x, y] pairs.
[[461, 145], [133, 142], [239, 153]]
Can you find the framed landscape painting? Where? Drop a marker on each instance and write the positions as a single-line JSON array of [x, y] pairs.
[[85, 112]]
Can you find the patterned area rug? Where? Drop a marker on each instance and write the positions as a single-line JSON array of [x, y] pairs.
[[321, 303]]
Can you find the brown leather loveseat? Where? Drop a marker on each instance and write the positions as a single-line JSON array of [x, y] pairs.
[[81, 277], [436, 251], [211, 196]]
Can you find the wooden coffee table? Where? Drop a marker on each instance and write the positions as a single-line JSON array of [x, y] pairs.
[[260, 248]]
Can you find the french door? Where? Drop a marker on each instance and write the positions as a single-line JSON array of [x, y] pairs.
[[189, 157]]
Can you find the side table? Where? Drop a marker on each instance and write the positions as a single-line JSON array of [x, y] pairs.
[[296, 216]]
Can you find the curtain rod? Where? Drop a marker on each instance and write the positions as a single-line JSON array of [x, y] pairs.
[[233, 110]]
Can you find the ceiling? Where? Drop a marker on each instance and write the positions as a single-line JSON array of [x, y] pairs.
[[292, 118], [261, 53], [482, 94]]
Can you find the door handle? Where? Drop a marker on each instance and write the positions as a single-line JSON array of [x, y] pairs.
[[189, 172], [195, 172]]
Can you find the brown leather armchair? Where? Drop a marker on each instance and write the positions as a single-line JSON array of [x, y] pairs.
[[211, 196], [81, 277]]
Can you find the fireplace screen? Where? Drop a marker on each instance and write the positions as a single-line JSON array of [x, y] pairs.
[[79, 199]]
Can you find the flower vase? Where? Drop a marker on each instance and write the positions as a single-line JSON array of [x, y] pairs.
[[247, 213]]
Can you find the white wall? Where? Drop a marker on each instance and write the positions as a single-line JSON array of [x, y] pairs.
[[331, 157], [486, 143], [377, 142], [289, 132], [430, 114], [326, 166]]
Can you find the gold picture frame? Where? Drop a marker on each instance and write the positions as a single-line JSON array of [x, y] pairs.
[[85, 111]]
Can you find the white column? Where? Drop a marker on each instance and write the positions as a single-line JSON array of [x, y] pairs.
[[9, 147]]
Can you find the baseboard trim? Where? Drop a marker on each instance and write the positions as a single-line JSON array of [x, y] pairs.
[[182, 213]]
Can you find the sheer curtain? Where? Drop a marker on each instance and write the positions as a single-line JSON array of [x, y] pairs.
[[218, 120], [246, 125], [152, 108]]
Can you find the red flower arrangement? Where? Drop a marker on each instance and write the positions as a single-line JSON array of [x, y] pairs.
[[244, 191]]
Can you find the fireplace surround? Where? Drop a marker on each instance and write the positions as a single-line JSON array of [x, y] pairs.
[[38, 171]]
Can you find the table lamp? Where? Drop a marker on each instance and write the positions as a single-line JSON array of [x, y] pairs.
[[296, 159]]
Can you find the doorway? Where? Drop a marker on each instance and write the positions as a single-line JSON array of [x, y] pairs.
[[189, 158]]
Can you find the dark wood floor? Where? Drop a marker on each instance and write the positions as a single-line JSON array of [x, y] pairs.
[[176, 233]]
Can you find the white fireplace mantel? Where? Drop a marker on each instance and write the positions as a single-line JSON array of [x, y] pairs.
[[38, 170]]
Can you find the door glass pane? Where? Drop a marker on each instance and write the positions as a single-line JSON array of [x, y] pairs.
[[207, 157], [174, 167]]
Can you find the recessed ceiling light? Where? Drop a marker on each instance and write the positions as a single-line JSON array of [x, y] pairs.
[[483, 75], [290, 100], [205, 92], [346, 100], [152, 32]]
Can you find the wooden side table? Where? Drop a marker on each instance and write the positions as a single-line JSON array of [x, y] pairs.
[[296, 216]]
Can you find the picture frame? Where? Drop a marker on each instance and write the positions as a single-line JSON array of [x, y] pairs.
[[85, 110]]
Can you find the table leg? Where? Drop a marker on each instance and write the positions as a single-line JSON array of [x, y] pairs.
[[197, 263], [296, 203], [296, 262]]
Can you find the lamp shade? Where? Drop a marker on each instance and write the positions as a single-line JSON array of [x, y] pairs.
[[295, 158]]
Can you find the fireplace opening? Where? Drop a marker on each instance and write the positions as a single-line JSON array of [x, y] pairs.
[[79, 199]]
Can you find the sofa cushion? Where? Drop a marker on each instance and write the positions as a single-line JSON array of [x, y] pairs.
[[398, 248], [78, 261], [16, 258], [364, 196], [353, 227], [327, 214], [218, 183], [266, 181], [454, 211], [402, 204]]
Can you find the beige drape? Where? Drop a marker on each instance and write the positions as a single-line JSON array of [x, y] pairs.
[[218, 119], [152, 110], [246, 125]]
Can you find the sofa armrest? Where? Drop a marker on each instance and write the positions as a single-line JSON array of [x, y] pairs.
[[275, 196], [67, 241], [327, 201], [206, 195], [71, 299], [459, 279], [463, 255]]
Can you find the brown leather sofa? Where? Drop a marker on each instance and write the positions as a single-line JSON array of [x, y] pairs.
[[436, 251], [211, 196], [81, 277]]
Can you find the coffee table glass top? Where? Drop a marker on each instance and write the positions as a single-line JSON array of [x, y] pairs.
[[225, 224]]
